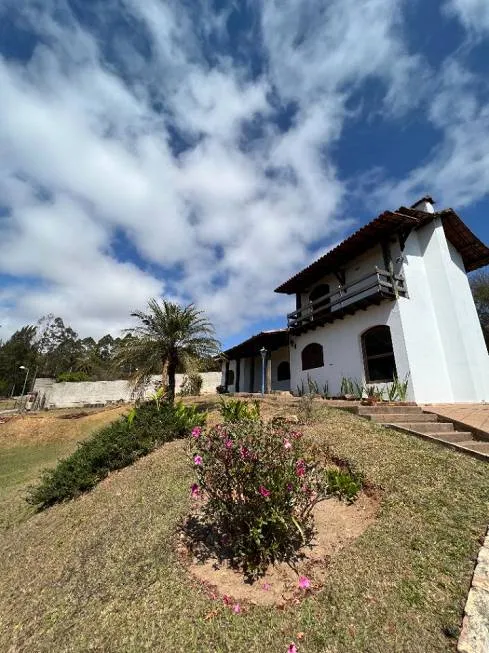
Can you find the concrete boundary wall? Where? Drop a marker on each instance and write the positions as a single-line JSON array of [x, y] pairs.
[[85, 393]]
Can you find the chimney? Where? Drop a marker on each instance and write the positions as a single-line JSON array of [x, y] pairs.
[[425, 204]]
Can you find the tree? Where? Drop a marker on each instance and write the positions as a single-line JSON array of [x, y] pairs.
[[58, 345], [479, 283], [19, 350], [168, 336]]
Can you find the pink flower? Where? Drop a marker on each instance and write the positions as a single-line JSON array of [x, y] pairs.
[[195, 491], [236, 608], [196, 432], [300, 468], [198, 460], [263, 491], [292, 648], [287, 444], [228, 444], [290, 487], [244, 452], [266, 587], [296, 435], [304, 583]]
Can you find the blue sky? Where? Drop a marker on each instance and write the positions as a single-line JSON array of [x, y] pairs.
[[207, 151]]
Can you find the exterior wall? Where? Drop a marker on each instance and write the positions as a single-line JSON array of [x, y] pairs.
[[447, 354], [70, 395], [360, 267], [342, 347], [278, 357]]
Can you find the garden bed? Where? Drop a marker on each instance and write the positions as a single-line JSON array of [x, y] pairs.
[[338, 525]]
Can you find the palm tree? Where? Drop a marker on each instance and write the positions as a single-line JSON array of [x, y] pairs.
[[168, 336]]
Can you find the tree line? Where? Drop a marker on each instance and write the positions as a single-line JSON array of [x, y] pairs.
[[167, 339]]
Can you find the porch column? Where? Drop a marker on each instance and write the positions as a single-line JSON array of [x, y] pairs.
[[238, 374], [226, 376], [268, 375], [252, 374]]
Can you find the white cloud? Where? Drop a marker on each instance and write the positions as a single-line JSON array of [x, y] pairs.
[[474, 14], [456, 171], [85, 153]]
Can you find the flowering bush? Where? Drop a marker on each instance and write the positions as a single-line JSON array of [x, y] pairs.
[[259, 489]]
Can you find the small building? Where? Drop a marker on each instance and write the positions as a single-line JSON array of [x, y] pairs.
[[393, 300], [243, 367]]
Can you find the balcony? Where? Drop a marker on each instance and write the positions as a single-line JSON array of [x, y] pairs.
[[348, 299]]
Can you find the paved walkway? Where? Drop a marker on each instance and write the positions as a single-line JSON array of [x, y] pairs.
[[474, 415]]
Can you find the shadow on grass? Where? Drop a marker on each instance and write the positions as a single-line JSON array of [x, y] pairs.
[[206, 541]]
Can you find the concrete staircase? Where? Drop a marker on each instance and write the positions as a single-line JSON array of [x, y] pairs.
[[413, 419]]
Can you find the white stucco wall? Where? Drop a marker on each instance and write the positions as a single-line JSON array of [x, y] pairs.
[[70, 395], [447, 354], [342, 348], [278, 357]]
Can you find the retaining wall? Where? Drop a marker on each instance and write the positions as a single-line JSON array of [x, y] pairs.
[[70, 395]]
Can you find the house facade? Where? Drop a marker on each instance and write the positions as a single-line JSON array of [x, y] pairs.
[[262, 359], [393, 300]]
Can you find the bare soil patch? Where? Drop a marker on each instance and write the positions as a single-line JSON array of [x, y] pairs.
[[47, 427], [338, 526]]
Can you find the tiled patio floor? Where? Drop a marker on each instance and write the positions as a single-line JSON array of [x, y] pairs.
[[475, 415]]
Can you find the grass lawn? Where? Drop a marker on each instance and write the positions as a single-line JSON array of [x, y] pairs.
[[29, 443], [7, 404], [100, 573]]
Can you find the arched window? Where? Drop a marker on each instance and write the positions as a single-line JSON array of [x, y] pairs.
[[378, 354], [283, 371], [230, 377], [312, 356]]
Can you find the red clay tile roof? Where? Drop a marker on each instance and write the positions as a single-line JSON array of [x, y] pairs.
[[474, 253]]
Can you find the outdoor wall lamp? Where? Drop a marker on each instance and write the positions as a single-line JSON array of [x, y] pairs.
[[263, 353]]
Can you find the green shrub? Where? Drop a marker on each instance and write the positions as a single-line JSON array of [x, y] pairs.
[[113, 447], [236, 410], [72, 377], [260, 489], [191, 385]]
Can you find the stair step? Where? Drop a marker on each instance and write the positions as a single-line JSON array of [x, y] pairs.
[[427, 427], [476, 445], [391, 418], [372, 410], [455, 436]]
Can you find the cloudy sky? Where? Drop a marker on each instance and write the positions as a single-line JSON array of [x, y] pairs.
[[205, 151]]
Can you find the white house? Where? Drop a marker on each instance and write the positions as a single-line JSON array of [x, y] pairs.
[[393, 299]]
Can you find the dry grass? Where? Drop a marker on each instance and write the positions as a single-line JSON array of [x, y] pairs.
[[31, 442], [100, 573]]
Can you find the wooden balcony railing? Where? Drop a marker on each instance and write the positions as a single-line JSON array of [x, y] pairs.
[[348, 298]]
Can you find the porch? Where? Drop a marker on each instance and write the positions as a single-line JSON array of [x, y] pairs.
[[347, 299]]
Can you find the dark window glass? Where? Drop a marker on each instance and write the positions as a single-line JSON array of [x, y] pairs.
[[319, 291], [380, 364], [230, 377], [312, 356], [321, 306], [283, 371]]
